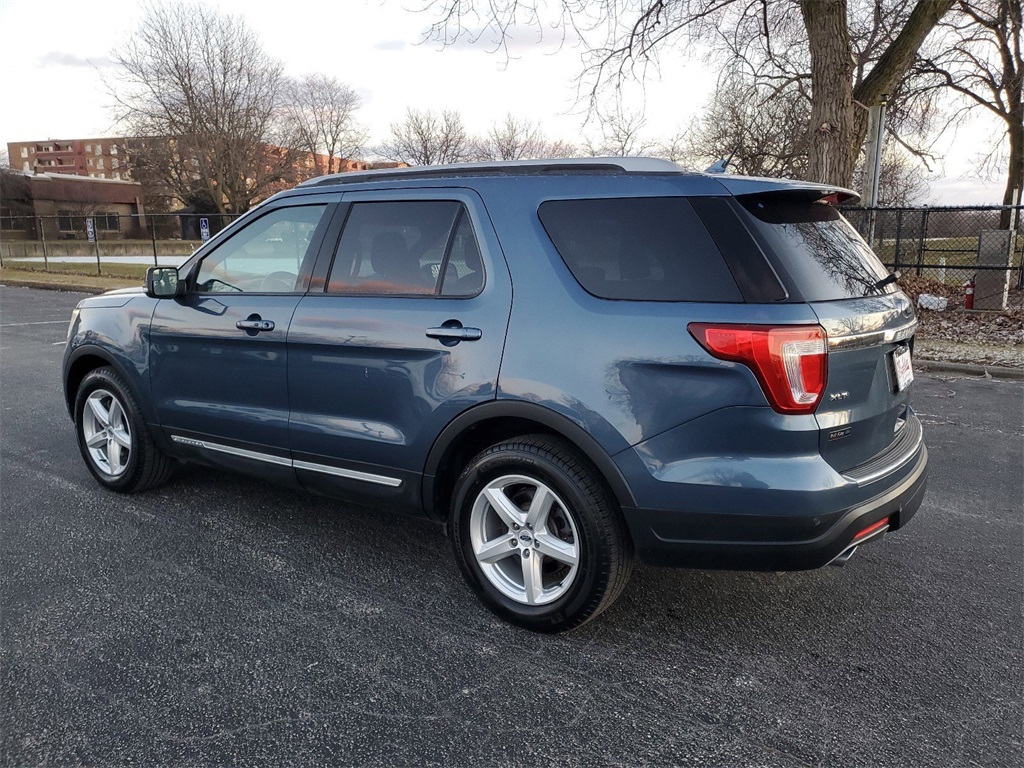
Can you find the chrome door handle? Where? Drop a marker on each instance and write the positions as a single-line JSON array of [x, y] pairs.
[[255, 325], [452, 332]]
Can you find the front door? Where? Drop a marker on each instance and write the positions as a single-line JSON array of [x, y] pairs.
[[219, 367], [407, 333]]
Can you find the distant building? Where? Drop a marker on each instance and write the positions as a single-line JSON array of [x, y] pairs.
[[107, 158], [95, 158], [65, 201], [111, 158]]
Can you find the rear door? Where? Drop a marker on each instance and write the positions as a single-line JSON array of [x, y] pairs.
[[866, 422], [406, 332]]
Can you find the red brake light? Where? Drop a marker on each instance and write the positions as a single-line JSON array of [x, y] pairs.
[[789, 361]]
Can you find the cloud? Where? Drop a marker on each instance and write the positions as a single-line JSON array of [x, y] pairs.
[[949, 191], [516, 40], [390, 45], [63, 59]]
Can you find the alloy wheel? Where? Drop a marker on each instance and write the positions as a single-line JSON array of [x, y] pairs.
[[525, 540], [107, 433]]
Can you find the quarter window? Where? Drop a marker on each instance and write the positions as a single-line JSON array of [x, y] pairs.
[[265, 257], [639, 249], [464, 271], [402, 248]]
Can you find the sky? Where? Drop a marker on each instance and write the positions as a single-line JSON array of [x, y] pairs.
[[56, 63]]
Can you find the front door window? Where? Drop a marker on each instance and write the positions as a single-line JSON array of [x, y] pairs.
[[265, 257]]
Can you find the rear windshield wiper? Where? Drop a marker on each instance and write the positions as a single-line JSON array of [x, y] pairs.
[[889, 279]]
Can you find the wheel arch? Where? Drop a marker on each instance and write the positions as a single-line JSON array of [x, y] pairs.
[[486, 424], [82, 362]]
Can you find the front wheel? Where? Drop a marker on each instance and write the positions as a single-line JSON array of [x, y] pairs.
[[113, 437], [538, 535]]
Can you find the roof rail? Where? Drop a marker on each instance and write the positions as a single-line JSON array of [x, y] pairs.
[[506, 167]]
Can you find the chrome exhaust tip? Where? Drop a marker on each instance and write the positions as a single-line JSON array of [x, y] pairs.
[[843, 557]]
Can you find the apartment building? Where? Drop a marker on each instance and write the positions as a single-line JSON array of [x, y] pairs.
[[102, 158]]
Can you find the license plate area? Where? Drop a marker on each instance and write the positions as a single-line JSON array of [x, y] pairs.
[[902, 366]]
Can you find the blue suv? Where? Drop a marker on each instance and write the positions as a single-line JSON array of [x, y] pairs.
[[571, 364]]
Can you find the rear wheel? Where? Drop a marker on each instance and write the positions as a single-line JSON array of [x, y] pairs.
[[538, 535], [114, 440]]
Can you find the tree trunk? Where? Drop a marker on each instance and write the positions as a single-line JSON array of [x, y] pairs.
[[1013, 75], [830, 158]]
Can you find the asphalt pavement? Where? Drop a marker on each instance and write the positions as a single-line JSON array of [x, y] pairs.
[[220, 620]]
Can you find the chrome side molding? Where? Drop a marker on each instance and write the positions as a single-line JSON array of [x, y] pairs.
[[351, 474]]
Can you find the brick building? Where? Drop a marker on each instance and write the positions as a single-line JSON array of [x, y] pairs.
[[107, 159], [65, 202], [95, 158]]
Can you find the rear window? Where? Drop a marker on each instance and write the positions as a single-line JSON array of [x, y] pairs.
[[639, 249], [823, 254]]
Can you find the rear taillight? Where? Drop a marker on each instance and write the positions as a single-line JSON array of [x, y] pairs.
[[789, 361]]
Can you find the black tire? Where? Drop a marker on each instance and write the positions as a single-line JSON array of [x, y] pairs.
[[147, 466], [603, 545]]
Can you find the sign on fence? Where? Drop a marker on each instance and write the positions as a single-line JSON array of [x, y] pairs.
[[90, 230], [204, 229]]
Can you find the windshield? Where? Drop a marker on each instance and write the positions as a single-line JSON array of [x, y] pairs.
[[823, 254]]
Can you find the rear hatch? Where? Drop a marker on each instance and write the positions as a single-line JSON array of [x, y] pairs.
[[866, 425]]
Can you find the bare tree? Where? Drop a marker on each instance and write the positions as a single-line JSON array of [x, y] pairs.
[[979, 59], [560, 148], [320, 116], [198, 86], [901, 181], [427, 138], [761, 131], [517, 138], [512, 139], [807, 43], [621, 134]]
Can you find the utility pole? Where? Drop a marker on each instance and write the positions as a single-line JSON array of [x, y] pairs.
[[873, 162]]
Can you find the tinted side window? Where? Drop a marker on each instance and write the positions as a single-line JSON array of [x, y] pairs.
[[640, 249], [393, 248], [464, 269], [264, 257]]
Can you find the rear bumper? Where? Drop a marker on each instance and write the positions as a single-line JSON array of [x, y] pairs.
[[757, 542]]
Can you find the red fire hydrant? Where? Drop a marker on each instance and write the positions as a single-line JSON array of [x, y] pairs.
[[969, 294]]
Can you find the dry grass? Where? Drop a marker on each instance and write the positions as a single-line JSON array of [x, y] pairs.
[[67, 282]]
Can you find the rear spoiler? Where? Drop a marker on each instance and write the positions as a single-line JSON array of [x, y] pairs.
[[784, 189]]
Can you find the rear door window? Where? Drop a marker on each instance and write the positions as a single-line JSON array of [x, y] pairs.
[[639, 249], [405, 248], [825, 257]]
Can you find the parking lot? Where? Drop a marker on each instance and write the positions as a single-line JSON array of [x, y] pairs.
[[220, 620]]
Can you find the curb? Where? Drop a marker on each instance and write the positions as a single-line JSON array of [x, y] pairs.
[[970, 369], [17, 282]]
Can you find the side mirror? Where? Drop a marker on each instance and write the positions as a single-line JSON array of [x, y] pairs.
[[163, 283]]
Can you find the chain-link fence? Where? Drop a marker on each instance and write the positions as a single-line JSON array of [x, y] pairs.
[[112, 244], [939, 250]]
